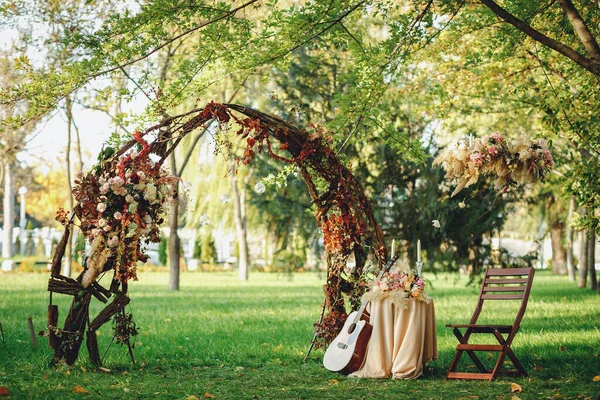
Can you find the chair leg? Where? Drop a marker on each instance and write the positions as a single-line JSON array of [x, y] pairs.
[[510, 353], [462, 339]]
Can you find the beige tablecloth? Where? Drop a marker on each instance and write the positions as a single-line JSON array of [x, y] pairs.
[[402, 342]]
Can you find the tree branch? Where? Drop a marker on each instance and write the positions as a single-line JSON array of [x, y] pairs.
[[202, 25], [589, 64], [590, 44]]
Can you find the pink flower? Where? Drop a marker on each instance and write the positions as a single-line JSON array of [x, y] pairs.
[[492, 150], [112, 242], [497, 137], [104, 188], [476, 158]]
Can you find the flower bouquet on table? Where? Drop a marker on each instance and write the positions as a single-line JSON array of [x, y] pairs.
[[513, 163], [399, 286], [120, 210]]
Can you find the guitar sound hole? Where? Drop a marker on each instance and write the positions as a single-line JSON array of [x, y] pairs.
[[351, 328]]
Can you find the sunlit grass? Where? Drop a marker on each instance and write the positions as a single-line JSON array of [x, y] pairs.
[[237, 339]]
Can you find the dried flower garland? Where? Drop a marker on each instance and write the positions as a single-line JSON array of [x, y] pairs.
[[121, 209], [513, 163]]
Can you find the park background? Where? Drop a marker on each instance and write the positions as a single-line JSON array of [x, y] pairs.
[[395, 85]]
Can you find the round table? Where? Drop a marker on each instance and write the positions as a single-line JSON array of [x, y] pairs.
[[403, 340]]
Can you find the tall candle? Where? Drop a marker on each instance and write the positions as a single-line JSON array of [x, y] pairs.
[[419, 250], [393, 247]]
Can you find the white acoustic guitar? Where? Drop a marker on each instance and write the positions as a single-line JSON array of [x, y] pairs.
[[346, 353]]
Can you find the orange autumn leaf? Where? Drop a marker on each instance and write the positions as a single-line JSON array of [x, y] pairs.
[[333, 381], [79, 389], [515, 388], [596, 378], [208, 396]]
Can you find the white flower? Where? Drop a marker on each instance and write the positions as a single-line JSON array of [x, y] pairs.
[[436, 223], [141, 174], [116, 181], [461, 205], [133, 207], [101, 222], [150, 193], [104, 188], [118, 215], [129, 198], [101, 207], [148, 219]]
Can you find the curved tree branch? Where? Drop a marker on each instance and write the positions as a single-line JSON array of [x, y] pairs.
[[589, 64], [590, 44]]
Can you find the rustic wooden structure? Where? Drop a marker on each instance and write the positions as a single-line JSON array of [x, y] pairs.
[[498, 285], [342, 211]]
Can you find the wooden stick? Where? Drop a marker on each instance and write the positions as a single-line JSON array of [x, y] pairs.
[[2, 333], [314, 339], [32, 332], [92, 345], [118, 304], [52, 323]]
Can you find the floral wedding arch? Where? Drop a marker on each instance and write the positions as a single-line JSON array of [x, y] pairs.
[[121, 201]]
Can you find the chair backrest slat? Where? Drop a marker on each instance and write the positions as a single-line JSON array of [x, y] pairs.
[[509, 280], [506, 284], [507, 271], [502, 296], [504, 289]]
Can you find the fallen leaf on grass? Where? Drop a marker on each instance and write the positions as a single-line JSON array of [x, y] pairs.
[[79, 389], [105, 370], [333, 381], [4, 391], [515, 398], [596, 378], [208, 396], [515, 388], [191, 397]]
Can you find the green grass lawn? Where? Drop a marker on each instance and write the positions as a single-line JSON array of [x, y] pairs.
[[230, 339]]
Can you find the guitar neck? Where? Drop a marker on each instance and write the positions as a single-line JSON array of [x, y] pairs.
[[387, 267]]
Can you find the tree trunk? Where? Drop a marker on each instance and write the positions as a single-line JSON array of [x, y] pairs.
[[174, 242], [69, 254], [570, 236], [9, 210], [583, 258], [592, 259], [559, 258], [240, 225]]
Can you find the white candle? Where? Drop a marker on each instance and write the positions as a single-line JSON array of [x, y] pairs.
[[393, 247], [419, 250]]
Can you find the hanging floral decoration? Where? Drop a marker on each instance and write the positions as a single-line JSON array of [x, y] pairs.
[[121, 209], [512, 163]]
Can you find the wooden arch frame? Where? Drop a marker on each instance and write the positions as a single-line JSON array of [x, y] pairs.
[[342, 211]]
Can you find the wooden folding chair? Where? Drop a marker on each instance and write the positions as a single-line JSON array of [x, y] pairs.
[[498, 284]]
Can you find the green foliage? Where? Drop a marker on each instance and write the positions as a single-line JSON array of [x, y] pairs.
[[40, 249], [208, 250], [259, 332], [79, 249], [197, 253], [17, 245], [163, 245]]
